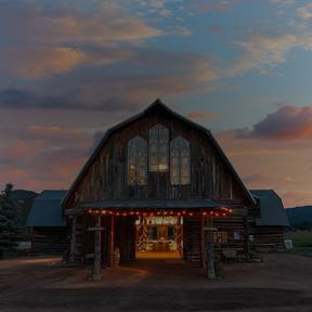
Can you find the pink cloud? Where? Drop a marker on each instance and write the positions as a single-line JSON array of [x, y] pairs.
[[197, 115], [287, 123]]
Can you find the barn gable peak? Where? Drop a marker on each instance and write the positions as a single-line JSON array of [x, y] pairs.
[[156, 105]]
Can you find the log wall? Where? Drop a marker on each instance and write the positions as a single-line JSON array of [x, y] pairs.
[[267, 238], [49, 240], [195, 238]]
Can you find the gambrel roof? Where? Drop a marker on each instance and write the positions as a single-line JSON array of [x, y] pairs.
[[272, 209], [46, 210], [127, 122]]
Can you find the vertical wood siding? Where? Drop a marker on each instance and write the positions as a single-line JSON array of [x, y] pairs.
[[107, 176]]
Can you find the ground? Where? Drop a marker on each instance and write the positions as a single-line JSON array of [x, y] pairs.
[[281, 283]]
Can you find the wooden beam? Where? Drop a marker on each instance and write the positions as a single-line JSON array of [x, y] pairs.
[[74, 212], [73, 243], [112, 241], [96, 274], [211, 274], [202, 242]]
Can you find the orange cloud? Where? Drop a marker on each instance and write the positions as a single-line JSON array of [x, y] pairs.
[[293, 199], [38, 61], [196, 115], [287, 123]]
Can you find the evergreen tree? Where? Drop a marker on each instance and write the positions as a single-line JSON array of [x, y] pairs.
[[8, 219]]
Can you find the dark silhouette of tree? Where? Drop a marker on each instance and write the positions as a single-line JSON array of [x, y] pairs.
[[9, 222]]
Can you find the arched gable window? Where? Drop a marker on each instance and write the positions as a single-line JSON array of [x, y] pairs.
[[158, 148], [137, 161], [180, 161]]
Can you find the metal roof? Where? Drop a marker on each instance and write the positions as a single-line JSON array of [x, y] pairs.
[[272, 209], [47, 210], [153, 204]]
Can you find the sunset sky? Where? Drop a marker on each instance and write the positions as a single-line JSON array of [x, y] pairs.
[[69, 69]]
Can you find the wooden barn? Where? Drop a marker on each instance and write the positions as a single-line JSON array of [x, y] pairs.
[[157, 182], [47, 224], [267, 230]]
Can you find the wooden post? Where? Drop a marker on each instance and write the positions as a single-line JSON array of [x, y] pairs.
[[211, 274], [247, 243], [96, 274], [73, 243], [112, 241], [202, 242]]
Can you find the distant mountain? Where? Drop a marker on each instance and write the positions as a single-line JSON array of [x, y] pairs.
[[300, 215]]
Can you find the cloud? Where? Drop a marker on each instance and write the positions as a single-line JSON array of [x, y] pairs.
[[287, 123], [196, 115], [253, 178], [38, 61], [202, 6], [305, 12], [261, 52], [48, 40], [126, 85], [44, 156], [296, 198], [283, 2], [104, 23]]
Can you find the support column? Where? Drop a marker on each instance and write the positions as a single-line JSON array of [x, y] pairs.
[[73, 242], [246, 242], [211, 274], [112, 241], [202, 242], [96, 274]]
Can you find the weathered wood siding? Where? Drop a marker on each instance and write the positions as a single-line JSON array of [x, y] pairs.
[[267, 238], [210, 177], [107, 176], [195, 238], [124, 238], [49, 240]]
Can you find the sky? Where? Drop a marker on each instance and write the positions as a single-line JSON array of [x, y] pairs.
[[71, 69]]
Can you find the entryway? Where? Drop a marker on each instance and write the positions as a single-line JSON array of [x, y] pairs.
[[159, 237]]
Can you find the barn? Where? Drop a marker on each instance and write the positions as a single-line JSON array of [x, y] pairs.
[[47, 225], [267, 230], [157, 182]]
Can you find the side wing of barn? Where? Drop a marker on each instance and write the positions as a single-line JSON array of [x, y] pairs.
[[268, 229], [48, 226]]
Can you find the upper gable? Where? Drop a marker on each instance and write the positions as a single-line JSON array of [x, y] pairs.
[[105, 174]]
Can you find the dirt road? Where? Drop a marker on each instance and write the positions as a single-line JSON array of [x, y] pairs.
[[282, 283]]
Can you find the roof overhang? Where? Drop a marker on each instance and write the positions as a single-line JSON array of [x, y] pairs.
[[162, 204]]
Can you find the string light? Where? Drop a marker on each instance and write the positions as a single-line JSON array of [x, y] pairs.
[[219, 212]]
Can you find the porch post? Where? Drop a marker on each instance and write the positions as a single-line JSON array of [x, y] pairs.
[[73, 243], [112, 241], [202, 242], [211, 274], [96, 274]]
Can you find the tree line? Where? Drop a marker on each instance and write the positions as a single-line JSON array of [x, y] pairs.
[[10, 220]]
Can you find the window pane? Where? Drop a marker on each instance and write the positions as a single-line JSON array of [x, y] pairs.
[[137, 161], [158, 148], [180, 161]]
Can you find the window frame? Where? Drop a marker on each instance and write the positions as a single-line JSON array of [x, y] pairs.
[[180, 161], [137, 149], [158, 154]]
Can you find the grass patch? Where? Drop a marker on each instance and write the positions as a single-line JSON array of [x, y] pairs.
[[302, 241]]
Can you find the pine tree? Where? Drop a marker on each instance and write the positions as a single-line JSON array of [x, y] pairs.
[[8, 219]]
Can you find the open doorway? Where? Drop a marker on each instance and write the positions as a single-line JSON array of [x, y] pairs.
[[159, 237]]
